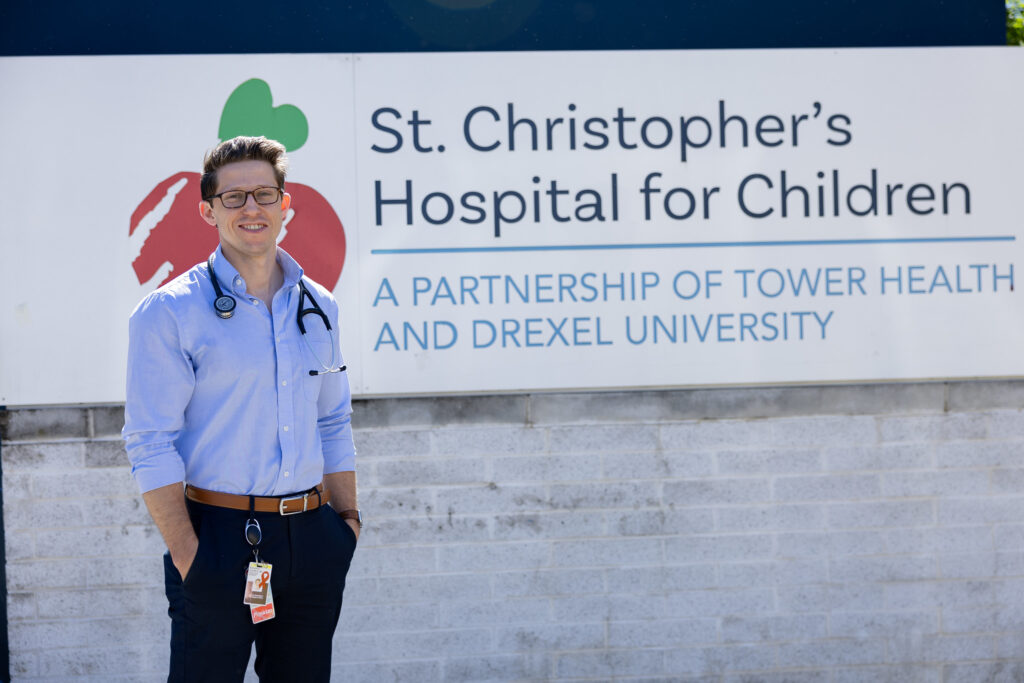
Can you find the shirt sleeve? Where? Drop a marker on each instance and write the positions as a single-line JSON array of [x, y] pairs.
[[334, 414], [161, 379]]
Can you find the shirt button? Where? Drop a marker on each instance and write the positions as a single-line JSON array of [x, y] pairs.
[[284, 383], [286, 428], [286, 474]]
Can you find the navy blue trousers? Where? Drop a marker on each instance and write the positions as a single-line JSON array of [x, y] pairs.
[[212, 631]]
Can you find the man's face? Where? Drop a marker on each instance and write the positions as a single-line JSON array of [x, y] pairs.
[[250, 230]]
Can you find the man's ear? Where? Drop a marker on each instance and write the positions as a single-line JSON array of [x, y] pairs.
[[206, 211], [286, 202]]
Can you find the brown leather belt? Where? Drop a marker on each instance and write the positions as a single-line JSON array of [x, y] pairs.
[[284, 505]]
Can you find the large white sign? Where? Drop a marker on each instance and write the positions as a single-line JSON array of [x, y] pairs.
[[530, 221]]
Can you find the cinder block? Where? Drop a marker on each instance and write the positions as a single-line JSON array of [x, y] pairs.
[[23, 665], [804, 676], [880, 514], [389, 443], [661, 579], [17, 485], [770, 517], [1008, 645], [928, 428], [427, 471], [977, 511], [724, 602], [971, 619], [485, 612], [764, 629], [19, 545], [1009, 592], [779, 572], [496, 668], [717, 491], [830, 598], [411, 645], [900, 673], [610, 664], [107, 420], [882, 624], [940, 540], [831, 653], [106, 454], [769, 461], [910, 647], [925, 595], [547, 468], [85, 483], [968, 454], [39, 424], [879, 457], [99, 541], [499, 440], [86, 633], [34, 514], [449, 410], [943, 483], [836, 543], [342, 669], [550, 582], [1006, 480], [603, 439], [428, 586], [721, 659], [715, 435], [604, 608], [1007, 536], [893, 568], [827, 487], [32, 575], [531, 638], [972, 566], [41, 457], [21, 606], [610, 495], [662, 522], [113, 511], [721, 548], [403, 502], [663, 633], [493, 556], [392, 560], [548, 525], [657, 465], [138, 571], [823, 431], [449, 529], [1007, 425], [490, 499], [989, 672], [1010, 564], [985, 395], [390, 618], [106, 662]]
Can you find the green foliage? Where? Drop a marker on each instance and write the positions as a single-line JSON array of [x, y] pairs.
[[1015, 22]]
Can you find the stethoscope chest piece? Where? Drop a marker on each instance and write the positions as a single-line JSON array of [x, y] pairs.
[[225, 306]]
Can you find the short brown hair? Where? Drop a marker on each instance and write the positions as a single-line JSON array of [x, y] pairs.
[[242, 148]]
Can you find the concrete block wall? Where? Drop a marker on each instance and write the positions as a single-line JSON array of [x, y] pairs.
[[829, 534]]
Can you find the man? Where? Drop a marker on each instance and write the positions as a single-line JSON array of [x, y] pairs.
[[251, 411]]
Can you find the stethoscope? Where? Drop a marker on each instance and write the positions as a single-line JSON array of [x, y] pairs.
[[224, 306]]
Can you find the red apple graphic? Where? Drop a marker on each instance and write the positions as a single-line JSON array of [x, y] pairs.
[[166, 226]]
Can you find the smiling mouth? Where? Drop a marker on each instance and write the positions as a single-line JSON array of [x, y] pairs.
[[253, 227]]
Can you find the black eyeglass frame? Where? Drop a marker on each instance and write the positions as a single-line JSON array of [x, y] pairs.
[[220, 195]]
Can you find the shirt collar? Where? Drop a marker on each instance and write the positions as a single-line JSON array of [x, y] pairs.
[[229, 278]]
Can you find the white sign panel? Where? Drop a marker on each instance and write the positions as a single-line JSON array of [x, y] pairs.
[[531, 221]]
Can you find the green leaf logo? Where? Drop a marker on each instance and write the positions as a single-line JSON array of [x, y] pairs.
[[250, 110]]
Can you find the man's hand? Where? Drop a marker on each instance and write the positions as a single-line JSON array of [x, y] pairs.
[[354, 525], [167, 508], [342, 489]]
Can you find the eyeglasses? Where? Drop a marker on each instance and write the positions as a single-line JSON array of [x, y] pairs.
[[235, 199]]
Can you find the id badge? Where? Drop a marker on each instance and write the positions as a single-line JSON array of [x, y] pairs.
[[263, 612], [257, 584]]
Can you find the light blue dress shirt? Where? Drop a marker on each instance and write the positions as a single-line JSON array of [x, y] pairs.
[[229, 405]]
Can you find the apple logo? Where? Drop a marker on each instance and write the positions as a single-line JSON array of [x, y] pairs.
[[168, 236]]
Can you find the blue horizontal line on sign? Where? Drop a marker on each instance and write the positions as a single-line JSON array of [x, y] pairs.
[[695, 245]]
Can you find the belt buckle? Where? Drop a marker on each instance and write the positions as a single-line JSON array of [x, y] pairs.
[[280, 504]]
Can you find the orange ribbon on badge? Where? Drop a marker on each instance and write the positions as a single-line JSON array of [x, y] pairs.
[[264, 577]]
